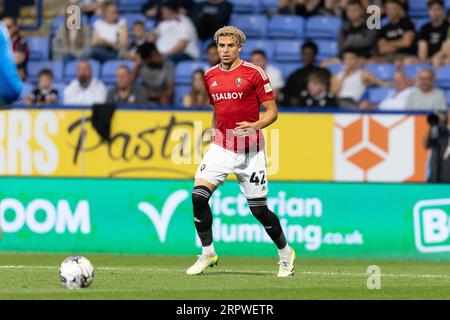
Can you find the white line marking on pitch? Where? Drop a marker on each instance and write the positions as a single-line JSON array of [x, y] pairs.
[[350, 274]]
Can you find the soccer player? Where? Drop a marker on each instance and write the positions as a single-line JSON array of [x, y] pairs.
[[236, 90]]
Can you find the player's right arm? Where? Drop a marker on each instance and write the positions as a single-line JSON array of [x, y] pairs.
[[10, 83]]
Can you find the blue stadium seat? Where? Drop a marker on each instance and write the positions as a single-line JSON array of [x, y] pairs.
[[447, 94], [130, 5], [34, 67], [109, 68], [253, 25], [335, 68], [27, 88], [270, 5], [253, 44], [443, 77], [70, 70], [447, 4], [412, 70], [287, 68], [376, 95], [419, 23], [94, 18], [185, 69], [246, 6], [418, 8], [327, 49], [39, 48], [288, 50], [384, 71], [180, 92], [323, 27], [286, 26], [59, 86]]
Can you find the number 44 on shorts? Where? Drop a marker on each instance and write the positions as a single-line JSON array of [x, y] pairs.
[[256, 178]]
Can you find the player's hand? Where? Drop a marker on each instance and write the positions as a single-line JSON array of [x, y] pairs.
[[245, 128]]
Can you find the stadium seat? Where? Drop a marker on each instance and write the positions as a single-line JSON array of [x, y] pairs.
[[34, 67], [447, 4], [27, 88], [327, 49], [287, 68], [39, 48], [443, 77], [376, 95], [323, 27], [180, 92], [418, 8], [384, 71], [71, 68], [246, 6], [270, 6], [130, 5], [109, 68], [447, 95], [288, 50], [59, 86], [94, 18], [286, 26], [419, 23], [412, 70], [254, 44], [253, 25], [335, 68], [185, 69]]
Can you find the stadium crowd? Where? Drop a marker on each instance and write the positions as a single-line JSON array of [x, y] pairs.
[[317, 53]]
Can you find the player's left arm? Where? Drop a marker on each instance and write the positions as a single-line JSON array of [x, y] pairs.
[[269, 117]]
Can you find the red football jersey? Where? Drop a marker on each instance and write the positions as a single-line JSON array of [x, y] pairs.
[[236, 96]]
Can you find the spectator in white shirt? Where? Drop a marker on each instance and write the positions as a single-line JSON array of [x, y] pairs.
[[175, 36], [397, 98], [110, 35], [85, 90], [427, 97], [259, 58]]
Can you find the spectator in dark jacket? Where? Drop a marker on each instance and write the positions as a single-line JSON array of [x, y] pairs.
[[211, 15], [297, 81], [317, 94]]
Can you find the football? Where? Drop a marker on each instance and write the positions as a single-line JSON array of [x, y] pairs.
[[76, 272]]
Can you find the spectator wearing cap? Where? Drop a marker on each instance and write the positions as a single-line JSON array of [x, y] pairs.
[[175, 36], [110, 35], [433, 34], [427, 97], [209, 16]]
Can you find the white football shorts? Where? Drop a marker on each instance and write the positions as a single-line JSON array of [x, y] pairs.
[[249, 168]]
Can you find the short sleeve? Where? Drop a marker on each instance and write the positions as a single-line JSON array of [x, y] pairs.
[[262, 86], [205, 82]]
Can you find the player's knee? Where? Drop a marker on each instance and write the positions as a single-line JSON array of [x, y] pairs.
[[200, 196], [258, 207]]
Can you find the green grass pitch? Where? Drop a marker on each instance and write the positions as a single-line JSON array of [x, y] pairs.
[[35, 276]]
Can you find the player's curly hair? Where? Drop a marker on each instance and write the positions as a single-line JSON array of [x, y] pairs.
[[230, 31]]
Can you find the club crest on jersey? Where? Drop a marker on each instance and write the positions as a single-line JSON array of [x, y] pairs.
[[238, 81]]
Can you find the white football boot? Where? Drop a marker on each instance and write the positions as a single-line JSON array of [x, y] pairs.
[[287, 266], [202, 263]]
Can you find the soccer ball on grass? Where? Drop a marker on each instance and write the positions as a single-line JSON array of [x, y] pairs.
[[76, 272]]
